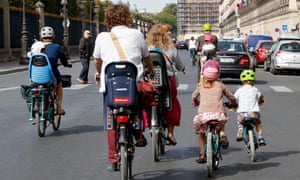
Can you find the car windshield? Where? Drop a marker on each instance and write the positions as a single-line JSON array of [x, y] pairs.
[[267, 45], [290, 47], [231, 46]]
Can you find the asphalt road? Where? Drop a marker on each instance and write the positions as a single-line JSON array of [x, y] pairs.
[[78, 151]]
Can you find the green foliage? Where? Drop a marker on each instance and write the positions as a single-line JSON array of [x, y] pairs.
[[168, 16]]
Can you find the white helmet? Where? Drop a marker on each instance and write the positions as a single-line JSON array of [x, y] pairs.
[[37, 47], [47, 32]]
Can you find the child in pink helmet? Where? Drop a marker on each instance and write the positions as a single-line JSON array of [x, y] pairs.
[[209, 96]]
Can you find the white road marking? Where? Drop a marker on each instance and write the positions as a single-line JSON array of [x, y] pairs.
[[182, 87], [77, 86], [9, 88], [281, 89]]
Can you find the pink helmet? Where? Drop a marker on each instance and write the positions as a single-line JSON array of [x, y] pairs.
[[208, 37], [211, 70]]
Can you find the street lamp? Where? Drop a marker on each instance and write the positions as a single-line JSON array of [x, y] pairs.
[[96, 11], [66, 24], [39, 6], [24, 39]]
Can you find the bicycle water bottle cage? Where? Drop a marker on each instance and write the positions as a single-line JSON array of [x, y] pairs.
[[40, 71], [120, 79]]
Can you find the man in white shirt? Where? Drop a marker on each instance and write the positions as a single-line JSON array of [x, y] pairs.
[[192, 49], [132, 42]]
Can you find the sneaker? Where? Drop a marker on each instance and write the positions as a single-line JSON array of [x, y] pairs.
[[81, 81], [261, 141], [140, 139], [239, 136], [111, 167]]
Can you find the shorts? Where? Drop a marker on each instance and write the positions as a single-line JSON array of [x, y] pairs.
[[242, 115]]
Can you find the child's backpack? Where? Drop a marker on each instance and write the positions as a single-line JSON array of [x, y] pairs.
[[40, 71]]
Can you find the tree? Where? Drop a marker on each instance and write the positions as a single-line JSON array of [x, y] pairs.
[[168, 16]]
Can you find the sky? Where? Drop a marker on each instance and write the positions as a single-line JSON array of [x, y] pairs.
[[150, 6]]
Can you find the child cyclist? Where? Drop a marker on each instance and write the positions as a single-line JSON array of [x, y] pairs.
[[211, 92], [249, 98]]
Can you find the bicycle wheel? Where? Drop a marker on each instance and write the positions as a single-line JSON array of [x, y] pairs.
[[217, 153], [155, 143], [162, 140], [209, 154], [251, 145], [40, 124], [124, 162], [56, 120]]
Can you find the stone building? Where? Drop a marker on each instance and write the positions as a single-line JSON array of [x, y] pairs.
[[192, 14], [268, 17]]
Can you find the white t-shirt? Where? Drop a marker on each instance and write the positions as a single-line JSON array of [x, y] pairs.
[[192, 44], [133, 44], [247, 97]]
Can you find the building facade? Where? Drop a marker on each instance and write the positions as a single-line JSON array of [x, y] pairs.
[[267, 17], [192, 14]]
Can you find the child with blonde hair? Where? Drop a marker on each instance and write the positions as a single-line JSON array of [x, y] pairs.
[[211, 92]]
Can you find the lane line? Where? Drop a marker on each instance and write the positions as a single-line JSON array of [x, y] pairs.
[[281, 89], [77, 86], [182, 87], [9, 88]]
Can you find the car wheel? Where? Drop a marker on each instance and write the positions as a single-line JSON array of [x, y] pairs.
[[273, 70], [266, 68]]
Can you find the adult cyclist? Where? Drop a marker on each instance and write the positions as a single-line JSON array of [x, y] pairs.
[[206, 28]]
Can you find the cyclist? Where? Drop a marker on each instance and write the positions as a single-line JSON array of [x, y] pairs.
[[211, 92], [249, 99], [132, 42], [206, 28], [55, 52], [192, 49]]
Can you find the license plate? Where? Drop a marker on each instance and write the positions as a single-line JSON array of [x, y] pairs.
[[227, 60]]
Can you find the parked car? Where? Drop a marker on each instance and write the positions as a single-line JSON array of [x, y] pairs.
[[181, 45], [284, 56], [261, 51], [268, 58], [234, 58], [252, 40]]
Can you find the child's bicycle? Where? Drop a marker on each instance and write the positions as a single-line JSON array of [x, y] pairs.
[[250, 136], [212, 147]]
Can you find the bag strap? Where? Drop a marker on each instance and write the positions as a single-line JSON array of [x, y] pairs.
[[118, 46]]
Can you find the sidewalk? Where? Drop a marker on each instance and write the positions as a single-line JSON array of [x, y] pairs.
[[14, 66]]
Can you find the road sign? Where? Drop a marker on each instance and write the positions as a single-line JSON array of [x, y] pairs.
[[284, 27]]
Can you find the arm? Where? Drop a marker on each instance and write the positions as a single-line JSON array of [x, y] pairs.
[[82, 49], [98, 65], [229, 95], [148, 61]]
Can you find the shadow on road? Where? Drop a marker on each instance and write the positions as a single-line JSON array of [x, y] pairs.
[[78, 130]]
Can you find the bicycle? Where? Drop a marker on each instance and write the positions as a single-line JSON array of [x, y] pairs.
[[41, 94], [159, 104], [122, 98], [250, 136], [212, 147], [194, 58]]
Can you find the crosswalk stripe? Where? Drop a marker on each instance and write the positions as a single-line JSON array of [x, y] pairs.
[[77, 86], [281, 89]]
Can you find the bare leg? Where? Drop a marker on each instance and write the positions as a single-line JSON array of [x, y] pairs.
[[59, 93]]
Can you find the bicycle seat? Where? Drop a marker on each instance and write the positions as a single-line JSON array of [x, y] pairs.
[[213, 122], [249, 120]]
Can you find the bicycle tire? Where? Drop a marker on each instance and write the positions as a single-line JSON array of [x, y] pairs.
[[251, 145], [209, 154], [41, 125], [57, 117], [217, 153], [155, 143], [124, 162]]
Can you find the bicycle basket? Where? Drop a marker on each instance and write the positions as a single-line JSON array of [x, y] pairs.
[[66, 80]]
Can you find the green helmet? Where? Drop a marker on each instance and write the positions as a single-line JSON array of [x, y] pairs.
[[248, 75], [206, 27]]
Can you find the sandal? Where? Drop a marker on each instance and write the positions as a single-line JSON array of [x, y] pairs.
[[171, 141], [224, 141], [201, 160], [61, 112]]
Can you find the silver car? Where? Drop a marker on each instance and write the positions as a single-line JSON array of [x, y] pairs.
[[285, 55]]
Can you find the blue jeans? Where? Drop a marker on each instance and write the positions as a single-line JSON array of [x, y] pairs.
[[85, 69]]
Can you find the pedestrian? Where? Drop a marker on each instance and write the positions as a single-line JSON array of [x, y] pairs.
[[159, 38], [132, 42], [55, 52], [209, 96], [249, 99], [86, 48]]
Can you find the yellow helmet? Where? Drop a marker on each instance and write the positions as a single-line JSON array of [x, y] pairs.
[[206, 27]]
